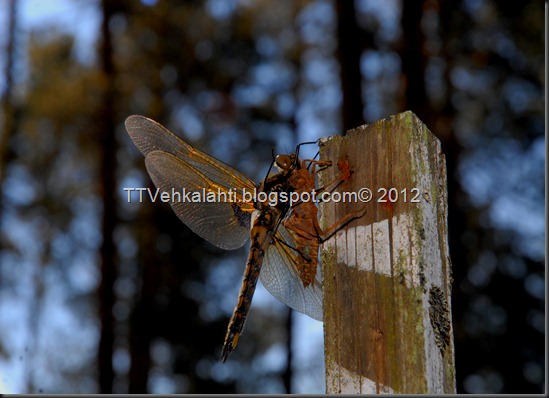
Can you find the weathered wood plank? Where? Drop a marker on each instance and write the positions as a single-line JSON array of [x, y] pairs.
[[387, 276]]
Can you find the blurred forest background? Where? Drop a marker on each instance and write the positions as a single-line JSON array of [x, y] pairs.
[[101, 295]]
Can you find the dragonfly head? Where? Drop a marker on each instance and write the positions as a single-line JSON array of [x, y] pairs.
[[285, 162]]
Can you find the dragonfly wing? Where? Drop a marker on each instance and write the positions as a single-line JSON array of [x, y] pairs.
[[280, 277], [174, 164], [225, 224], [150, 136]]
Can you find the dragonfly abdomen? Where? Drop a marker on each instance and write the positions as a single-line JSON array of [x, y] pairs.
[[261, 235]]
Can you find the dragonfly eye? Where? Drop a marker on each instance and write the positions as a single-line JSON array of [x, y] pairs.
[[283, 162]]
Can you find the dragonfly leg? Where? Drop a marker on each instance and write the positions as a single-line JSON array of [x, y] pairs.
[[342, 222], [344, 175], [322, 165], [298, 251], [322, 235]]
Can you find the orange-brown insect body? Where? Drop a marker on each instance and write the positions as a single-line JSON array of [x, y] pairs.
[[303, 225], [303, 220], [263, 228]]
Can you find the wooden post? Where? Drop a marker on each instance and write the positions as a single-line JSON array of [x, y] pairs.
[[387, 277]]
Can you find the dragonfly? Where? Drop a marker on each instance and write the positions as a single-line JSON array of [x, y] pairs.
[[175, 165], [302, 220]]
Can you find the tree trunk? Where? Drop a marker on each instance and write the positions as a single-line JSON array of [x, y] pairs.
[[108, 198], [414, 59], [8, 109], [349, 53]]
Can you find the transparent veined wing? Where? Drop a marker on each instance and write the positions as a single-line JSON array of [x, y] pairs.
[[150, 136], [176, 166], [281, 278]]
